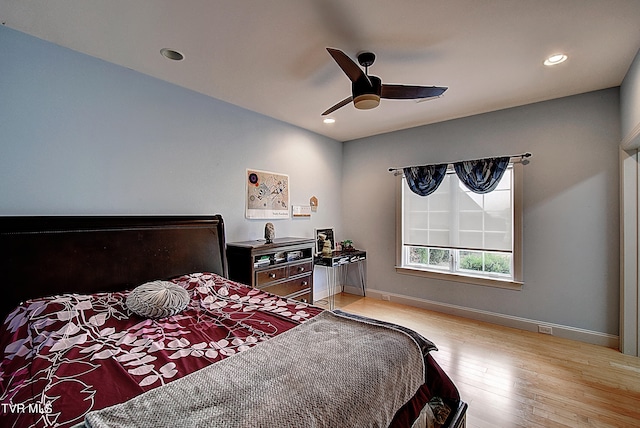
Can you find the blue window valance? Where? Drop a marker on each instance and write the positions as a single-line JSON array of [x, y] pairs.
[[424, 180], [479, 175]]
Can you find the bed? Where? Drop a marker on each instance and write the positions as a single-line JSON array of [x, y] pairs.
[[74, 353]]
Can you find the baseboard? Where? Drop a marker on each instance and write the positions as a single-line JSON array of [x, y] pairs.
[[320, 294], [567, 332]]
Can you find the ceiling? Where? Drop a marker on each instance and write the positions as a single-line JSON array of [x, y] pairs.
[[269, 56]]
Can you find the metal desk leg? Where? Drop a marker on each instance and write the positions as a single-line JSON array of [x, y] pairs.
[[361, 275], [344, 274], [331, 286]]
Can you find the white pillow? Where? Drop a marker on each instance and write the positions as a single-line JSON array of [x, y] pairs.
[[157, 299]]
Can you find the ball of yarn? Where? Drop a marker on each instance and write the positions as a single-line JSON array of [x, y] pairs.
[[157, 299]]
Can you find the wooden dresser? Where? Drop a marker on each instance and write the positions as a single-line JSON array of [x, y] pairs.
[[283, 267]]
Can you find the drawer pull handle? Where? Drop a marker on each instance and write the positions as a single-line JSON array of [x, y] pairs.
[[304, 300], [272, 275], [305, 283], [300, 268]]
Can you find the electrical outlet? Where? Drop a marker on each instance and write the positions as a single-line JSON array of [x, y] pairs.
[[386, 297], [545, 329]]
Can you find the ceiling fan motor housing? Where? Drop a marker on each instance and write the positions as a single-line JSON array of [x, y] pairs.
[[366, 96]]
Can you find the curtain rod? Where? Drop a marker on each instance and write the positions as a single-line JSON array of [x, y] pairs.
[[521, 158]]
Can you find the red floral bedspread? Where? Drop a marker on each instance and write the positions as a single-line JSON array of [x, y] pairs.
[[66, 355]]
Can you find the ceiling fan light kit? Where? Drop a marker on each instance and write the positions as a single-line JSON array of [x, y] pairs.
[[366, 90], [366, 101]]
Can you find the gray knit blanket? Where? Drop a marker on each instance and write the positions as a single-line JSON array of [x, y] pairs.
[[330, 371]]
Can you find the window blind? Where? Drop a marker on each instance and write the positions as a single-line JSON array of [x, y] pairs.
[[455, 217]]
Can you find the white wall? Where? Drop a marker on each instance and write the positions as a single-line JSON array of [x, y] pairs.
[[571, 208], [82, 136]]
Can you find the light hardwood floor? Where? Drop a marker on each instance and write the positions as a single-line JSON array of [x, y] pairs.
[[514, 378]]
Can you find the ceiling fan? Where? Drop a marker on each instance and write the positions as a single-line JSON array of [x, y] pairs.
[[367, 90]]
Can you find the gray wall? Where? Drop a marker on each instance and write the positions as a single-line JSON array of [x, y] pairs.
[[571, 208], [82, 136]]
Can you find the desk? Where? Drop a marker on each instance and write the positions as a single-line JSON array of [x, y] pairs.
[[337, 266]]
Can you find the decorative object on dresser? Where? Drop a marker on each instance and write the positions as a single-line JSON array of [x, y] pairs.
[[269, 232], [283, 267]]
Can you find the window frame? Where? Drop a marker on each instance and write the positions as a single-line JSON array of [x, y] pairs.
[[514, 283]]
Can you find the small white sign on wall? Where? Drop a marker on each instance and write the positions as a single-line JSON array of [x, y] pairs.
[[301, 210]]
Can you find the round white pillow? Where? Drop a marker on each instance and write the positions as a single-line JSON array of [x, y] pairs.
[[157, 299]]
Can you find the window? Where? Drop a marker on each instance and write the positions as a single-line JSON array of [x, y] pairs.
[[460, 235]]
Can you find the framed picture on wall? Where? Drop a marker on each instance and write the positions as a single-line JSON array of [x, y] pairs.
[[322, 235], [267, 194]]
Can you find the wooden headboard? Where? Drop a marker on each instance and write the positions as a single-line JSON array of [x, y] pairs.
[[43, 256]]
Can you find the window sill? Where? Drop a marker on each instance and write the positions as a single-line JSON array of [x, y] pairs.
[[466, 279]]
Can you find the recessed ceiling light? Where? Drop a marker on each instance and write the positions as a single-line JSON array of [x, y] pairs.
[[555, 59], [329, 120], [171, 54]]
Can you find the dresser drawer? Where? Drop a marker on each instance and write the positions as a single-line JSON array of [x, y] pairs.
[[304, 298], [300, 268], [266, 276], [290, 287]]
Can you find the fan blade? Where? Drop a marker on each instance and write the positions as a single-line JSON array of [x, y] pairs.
[[407, 92], [350, 68], [337, 106]]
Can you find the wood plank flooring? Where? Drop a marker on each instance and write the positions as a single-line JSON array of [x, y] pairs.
[[514, 378]]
